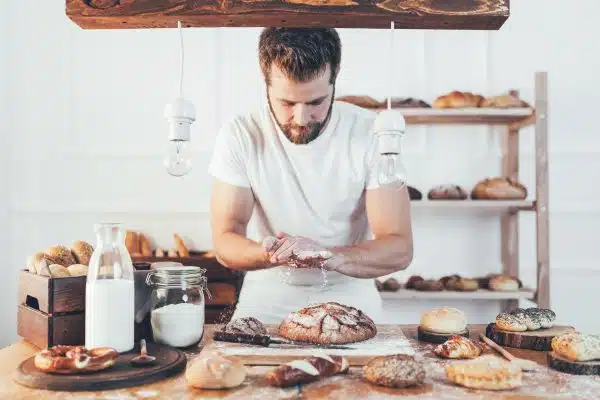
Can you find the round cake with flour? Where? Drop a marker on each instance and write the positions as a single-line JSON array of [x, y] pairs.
[[328, 323]]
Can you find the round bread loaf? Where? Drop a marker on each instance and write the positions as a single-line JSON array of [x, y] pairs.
[[328, 323], [62, 255], [499, 188], [395, 371], [82, 251], [215, 371], [447, 192], [509, 322], [245, 325], [444, 320], [430, 285], [78, 270]]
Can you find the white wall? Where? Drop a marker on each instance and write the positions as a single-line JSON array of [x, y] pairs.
[[87, 137]]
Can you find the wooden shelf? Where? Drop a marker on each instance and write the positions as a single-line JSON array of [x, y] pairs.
[[481, 294], [475, 116], [474, 206]]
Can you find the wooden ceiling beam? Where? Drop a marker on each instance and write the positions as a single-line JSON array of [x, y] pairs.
[[369, 14]]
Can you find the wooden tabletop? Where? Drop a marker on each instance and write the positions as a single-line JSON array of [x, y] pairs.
[[544, 384]]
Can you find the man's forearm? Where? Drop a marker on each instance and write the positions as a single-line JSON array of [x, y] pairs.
[[373, 258], [235, 251]]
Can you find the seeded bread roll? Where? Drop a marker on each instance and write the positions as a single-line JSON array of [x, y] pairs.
[[395, 371], [62, 255], [82, 251], [328, 323], [520, 320]]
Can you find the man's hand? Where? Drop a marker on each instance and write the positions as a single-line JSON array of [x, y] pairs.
[[297, 251]]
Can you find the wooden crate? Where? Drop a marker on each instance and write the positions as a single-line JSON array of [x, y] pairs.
[[52, 295], [46, 330]]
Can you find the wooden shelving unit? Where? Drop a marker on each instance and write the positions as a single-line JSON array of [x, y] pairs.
[[514, 119]]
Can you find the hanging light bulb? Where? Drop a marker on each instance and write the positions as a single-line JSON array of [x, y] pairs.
[[389, 128], [180, 115]]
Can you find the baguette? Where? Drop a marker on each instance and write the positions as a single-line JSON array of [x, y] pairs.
[[307, 370]]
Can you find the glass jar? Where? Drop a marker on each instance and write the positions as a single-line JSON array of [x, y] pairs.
[[177, 305], [110, 292]]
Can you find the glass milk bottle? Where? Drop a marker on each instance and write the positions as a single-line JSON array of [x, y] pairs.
[[110, 293]]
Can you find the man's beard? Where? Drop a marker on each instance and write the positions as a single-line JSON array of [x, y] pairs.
[[302, 134]]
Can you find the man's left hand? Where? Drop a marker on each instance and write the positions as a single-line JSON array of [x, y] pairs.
[[299, 251]]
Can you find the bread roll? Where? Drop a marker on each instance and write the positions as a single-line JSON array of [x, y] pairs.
[[444, 320], [58, 271], [487, 372], [180, 246], [34, 262], [509, 100], [82, 251], [503, 283], [145, 247], [457, 99], [215, 371], [43, 268], [78, 270], [361, 101], [62, 255], [395, 371], [132, 242]]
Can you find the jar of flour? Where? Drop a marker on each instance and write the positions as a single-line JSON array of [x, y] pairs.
[[177, 304]]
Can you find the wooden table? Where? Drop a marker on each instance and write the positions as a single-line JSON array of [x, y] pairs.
[[545, 384]]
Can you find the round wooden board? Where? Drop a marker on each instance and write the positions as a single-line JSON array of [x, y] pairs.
[[169, 362], [539, 340], [437, 338], [573, 367]]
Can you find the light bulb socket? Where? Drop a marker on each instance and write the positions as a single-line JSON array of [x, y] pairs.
[[181, 114]]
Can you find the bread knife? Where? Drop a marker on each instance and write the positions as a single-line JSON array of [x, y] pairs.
[[266, 341]]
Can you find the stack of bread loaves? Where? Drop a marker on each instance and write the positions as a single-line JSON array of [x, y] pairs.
[[60, 261]]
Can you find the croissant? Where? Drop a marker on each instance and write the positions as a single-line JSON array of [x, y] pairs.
[[456, 99], [459, 347]]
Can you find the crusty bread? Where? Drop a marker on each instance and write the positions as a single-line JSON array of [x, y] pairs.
[[487, 372], [520, 320], [78, 270], [499, 188], [576, 346], [145, 247], [444, 320], [457, 99], [245, 325], [132, 242], [215, 371], [82, 251], [395, 371], [180, 246], [459, 347], [447, 192], [62, 255], [328, 323]]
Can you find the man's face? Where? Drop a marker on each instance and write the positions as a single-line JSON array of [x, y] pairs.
[[300, 108]]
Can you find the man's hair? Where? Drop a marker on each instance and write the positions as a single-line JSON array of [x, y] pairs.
[[301, 53]]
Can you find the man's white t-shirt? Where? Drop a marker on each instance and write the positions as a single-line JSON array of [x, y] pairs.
[[316, 190]]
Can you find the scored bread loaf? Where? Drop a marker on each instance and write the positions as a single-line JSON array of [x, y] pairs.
[[499, 188], [62, 255], [458, 99], [328, 323], [307, 370]]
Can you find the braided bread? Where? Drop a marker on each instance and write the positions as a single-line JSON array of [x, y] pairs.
[[62, 359], [328, 323], [520, 320]]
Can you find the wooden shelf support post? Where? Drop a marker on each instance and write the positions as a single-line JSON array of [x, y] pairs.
[[541, 213]]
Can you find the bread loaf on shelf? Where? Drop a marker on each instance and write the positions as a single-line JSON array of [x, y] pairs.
[[458, 99], [361, 101], [499, 188], [508, 100]]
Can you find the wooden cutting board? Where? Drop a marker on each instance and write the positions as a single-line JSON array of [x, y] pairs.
[[539, 340], [169, 362], [573, 367], [389, 340]]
